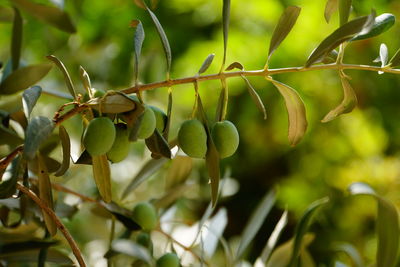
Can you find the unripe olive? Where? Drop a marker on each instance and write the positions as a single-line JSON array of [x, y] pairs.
[[161, 118], [99, 136], [147, 125], [145, 215], [168, 260], [120, 147], [95, 92], [192, 138], [225, 137]]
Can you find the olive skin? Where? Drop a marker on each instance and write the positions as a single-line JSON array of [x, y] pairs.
[[147, 124], [161, 118], [145, 215], [120, 148], [99, 136], [225, 137], [168, 260], [192, 138]]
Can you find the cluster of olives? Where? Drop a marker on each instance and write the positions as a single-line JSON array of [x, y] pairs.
[[192, 138]]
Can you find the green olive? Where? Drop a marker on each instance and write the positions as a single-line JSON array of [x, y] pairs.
[[168, 260], [161, 118], [145, 215], [95, 92], [225, 137], [192, 138], [147, 124], [99, 136], [120, 147]]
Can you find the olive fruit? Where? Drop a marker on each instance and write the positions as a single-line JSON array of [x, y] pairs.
[[99, 136], [120, 147], [95, 92], [147, 124], [192, 138], [168, 260], [145, 215], [225, 137], [161, 118]]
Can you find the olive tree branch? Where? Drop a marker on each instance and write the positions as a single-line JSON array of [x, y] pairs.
[[59, 224]]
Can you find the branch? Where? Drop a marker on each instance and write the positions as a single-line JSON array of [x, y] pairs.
[[57, 221], [7, 160]]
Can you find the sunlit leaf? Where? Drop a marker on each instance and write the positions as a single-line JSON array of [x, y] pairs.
[[66, 147], [382, 23], [8, 184], [64, 71], [226, 12], [207, 62], [29, 98], [255, 222], [296, 112], [138, 42], [112, 103], [23, 78], [45, 194], [216, 227], [179, 171], [157, 144], [302, 227], [387, 224], [102, 176], [164, 40], [383, 56], [330, 7], [87, 84], [344, 11], [130, 248], [256, 98], [39, 129], [148, 169], [284, 26], [16, 41], [351, 251], [50, 15], [348, 103], [343, 34]]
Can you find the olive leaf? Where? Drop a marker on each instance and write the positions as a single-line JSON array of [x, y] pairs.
[[330, 7], [29, 98], [64, 71], [39, 130], [351, 251], [169, 114], [113, 102], [122, 214], [296, 112], [387, 224], [344, 11], [9, 186], [222, 105], [256, 98], [284, 26], [383, 56], [348, 103], [179, 171], [157, 144], [235, 65], [339, 36], [130, 248], [23, 78], [226, 12], [66, 147], [102, 176], [50, 15], [45, 194], [16, 41], [86, 81], [138, 42], [207, 62], [382, 23]]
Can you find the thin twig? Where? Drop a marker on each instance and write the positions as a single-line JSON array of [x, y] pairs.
[[4, 162], [59, 224]]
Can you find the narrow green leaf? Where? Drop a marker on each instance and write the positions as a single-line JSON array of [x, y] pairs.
[[235, 65], [348, 103], [330, 8], [138, 42], [164, 40], [255, 222], [23, 78], [39, 130], [284, 26], [351, 251], [395, 60], [256, 98], [8, 185], [344, 11], [66, 147], [30, 255], [50, 15], [207, 62], [16, 41], [45, 194], [387, 224], [102, 176], [343, 34], [222, 105], [86, 81], [29, 98], [157, 144], [130, 248], [148, 169], [302, 228], [112, 103], [382, 23], [296, 112], [226, 12], [169, 114], [64, 71], [84, 158], [179, 171]]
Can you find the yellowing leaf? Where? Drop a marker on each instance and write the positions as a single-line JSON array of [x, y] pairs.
[[102, 176], [66, 147], [330, 7]]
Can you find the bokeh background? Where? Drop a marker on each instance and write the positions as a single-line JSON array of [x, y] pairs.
[[360, 146]]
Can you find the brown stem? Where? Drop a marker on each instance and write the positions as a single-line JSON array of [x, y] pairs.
[[61, 188], [57, 221], [7, 160], [59, 119]]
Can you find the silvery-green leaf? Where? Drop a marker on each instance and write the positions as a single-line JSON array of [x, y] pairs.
[[64, 71], [39, 130], [226, 12], [383, 56], [382, 23], [138, 42], [207, 62], [29, 99], [330, 7]]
